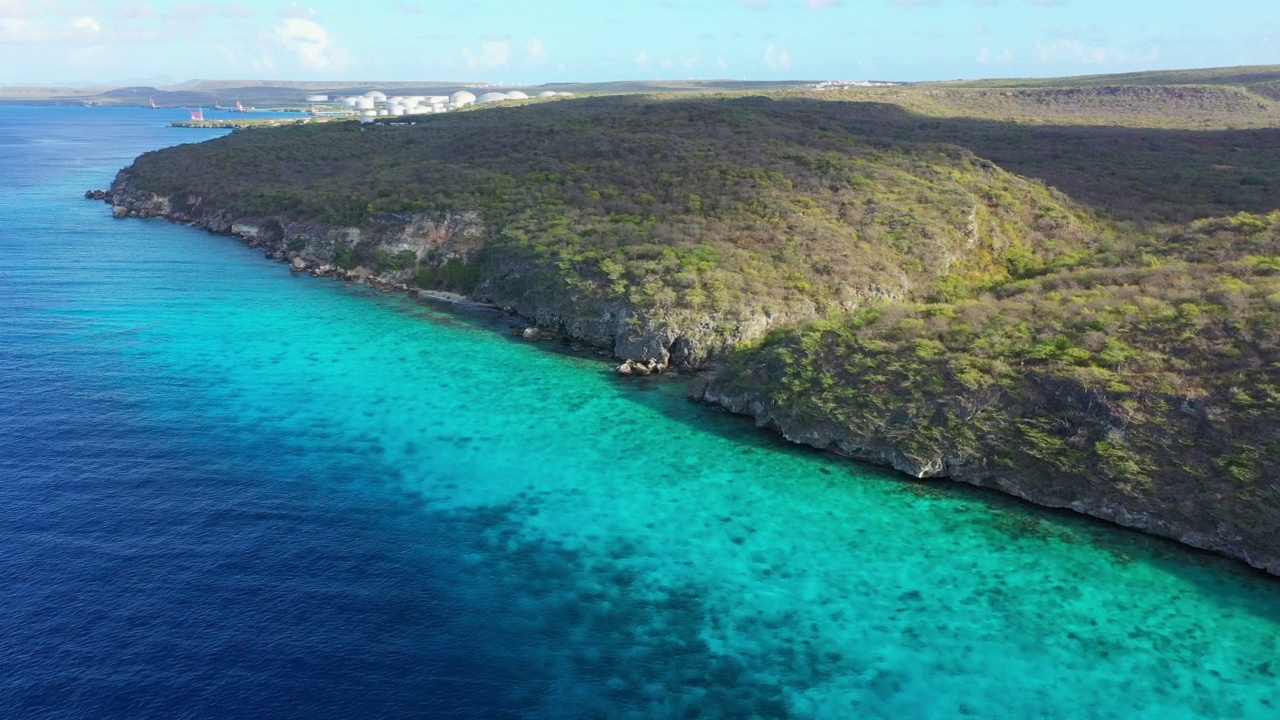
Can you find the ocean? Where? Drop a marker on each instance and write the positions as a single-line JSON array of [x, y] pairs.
[[227, 490]]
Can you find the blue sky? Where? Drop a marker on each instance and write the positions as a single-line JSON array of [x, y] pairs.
[[536, 41]]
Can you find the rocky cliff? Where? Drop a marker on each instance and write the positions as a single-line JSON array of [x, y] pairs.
[[394, 251]]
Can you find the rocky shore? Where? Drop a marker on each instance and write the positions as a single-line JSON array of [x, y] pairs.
[[982, 450], [386, 252]]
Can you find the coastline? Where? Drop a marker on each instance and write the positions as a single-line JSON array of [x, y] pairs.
[[1059, 490]]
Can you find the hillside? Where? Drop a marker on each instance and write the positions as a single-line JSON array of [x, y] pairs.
[[702, 220], [864, 278], [1183, 106], [1140, 386], [1242, 75]]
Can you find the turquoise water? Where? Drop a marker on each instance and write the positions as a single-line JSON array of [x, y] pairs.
[[563, 543]]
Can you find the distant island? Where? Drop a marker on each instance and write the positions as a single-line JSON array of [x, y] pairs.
[[1067, 290]]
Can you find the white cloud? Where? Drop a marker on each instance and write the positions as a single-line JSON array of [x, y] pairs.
[[642, 60], [690, 60], [821, 4], [493, 54], [722, 63], [18, 30], [535, 53], [310, 44], [1075, 51], [987, 57], [295, 10], [777, 58]]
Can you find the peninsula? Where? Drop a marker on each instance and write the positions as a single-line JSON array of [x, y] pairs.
[[1067, 290]]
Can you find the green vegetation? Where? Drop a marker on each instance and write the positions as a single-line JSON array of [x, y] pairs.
[[1208, 107], [1101, 328], [683, 208], [1244, 75], [1148, 372]]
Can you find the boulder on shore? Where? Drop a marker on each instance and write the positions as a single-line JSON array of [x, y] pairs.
[[119, 211], [636, 367], [532, 334]]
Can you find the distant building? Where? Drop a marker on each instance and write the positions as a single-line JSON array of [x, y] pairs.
[[841, 84], [317, 98]]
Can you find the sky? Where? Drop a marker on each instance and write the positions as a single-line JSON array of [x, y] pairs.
[[529, 42]]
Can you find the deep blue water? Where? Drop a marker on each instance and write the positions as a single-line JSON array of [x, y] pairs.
[[229, 491]]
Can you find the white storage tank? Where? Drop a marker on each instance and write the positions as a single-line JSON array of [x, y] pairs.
[[491, 97], [351, 102], [376, 96], [517, 95], [364, 103], [435, 99], [317, 98], [383, 113], [546, 93], [462, 97]]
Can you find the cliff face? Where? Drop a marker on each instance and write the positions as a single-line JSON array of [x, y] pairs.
[[393, 249], [310, 245]]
